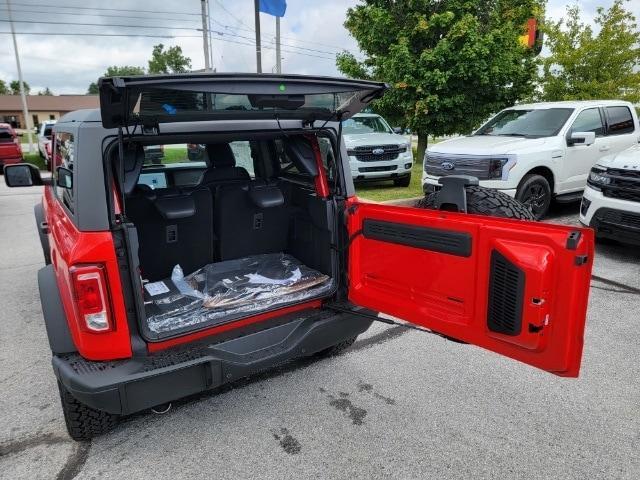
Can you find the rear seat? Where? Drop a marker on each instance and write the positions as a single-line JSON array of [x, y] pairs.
[[173, 228], [222, 167], [250, 219]]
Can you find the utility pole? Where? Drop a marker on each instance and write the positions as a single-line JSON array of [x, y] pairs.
[[209, 33], [278, 56], [25, 109], [256, 4], [205, 35]]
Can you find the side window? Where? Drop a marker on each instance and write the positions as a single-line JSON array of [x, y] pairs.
[[619, 120], [287, 167], [242, 152], [589, 121], [65, 157]]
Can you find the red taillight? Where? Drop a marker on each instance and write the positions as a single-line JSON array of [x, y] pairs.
[[47, 148], [90, 294]]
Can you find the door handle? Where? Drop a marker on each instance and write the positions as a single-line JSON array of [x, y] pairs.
[[604, 148]]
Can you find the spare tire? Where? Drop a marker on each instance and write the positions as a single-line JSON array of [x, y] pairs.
[[485, 201]]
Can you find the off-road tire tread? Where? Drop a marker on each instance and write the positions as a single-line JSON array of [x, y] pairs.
[[485, 201], [83, 422]]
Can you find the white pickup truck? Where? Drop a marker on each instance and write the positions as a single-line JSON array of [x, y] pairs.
[[537, 152], [611, 202]]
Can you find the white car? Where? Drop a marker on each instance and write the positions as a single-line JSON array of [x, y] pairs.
[[537, 152], [375, 151], [611, 201], [44, 140]]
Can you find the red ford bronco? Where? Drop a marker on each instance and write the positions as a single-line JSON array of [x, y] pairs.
[[167, 276]]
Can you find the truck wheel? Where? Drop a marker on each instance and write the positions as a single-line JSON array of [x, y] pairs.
[[402, 182], [485, 201], [337, 348], [535, 192], [84, 422]]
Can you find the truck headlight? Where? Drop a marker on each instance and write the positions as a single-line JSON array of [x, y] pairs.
[[598, 177], [495, 167]]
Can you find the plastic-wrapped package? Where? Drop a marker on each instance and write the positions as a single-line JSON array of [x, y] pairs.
[[226, 290]]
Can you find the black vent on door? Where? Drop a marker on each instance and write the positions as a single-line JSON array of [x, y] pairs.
[[506, 292]]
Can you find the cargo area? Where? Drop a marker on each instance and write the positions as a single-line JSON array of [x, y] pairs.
[[234, 229]]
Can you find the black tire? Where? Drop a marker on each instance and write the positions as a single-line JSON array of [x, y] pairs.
[[485, 201], [84, 422], [534, 191], [337, 348], [402, 182]]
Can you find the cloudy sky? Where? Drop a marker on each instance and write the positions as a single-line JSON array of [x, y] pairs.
[[312, 33]]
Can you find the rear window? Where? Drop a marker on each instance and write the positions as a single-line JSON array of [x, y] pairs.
[[620, 120], [47, 131], [5, 136], [186, 104]]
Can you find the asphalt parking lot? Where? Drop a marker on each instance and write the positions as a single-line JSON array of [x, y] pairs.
[[399, 404]]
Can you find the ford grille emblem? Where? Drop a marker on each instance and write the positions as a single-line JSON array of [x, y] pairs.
[[447, 165], [377, 151]]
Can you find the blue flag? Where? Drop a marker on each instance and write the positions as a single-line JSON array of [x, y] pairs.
[[274, 7]]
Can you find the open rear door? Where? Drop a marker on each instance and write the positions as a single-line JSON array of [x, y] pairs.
[[516, 288]]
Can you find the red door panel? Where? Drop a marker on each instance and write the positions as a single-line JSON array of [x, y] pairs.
[[516, 288]]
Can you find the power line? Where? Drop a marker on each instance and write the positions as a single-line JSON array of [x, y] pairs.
[[103, 9], [106, 15], [293, 52], [120, 25], [266, 38], [86, 24]]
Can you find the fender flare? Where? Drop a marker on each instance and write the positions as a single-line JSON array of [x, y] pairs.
[[38, 212], [55, 320]]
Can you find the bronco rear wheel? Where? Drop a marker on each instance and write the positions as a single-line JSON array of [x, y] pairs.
[[485, 201], [84, 422]]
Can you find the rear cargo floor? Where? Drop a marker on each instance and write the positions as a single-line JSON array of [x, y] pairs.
[[224, 291]]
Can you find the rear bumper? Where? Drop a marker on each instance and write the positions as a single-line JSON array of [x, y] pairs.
[[128, 386]]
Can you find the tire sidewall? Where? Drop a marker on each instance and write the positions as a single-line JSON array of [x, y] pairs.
[[527, 182]]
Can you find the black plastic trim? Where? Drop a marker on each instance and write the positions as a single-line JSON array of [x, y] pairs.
[[55, 320], [437, 240], [41, 223], [128, 386], [506, 296]]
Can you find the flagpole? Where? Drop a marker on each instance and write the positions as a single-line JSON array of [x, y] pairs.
[[256, 4], [278, 54]]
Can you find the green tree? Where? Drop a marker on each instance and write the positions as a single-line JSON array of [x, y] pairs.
[[15, 87], [170, 60], [116, 71], [3, 88], [46, 92], [584, 65], [450, 63]]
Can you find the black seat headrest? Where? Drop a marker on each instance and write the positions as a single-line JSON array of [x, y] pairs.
[[176, 207], [265, 195], [220, 155], [133, 161]]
